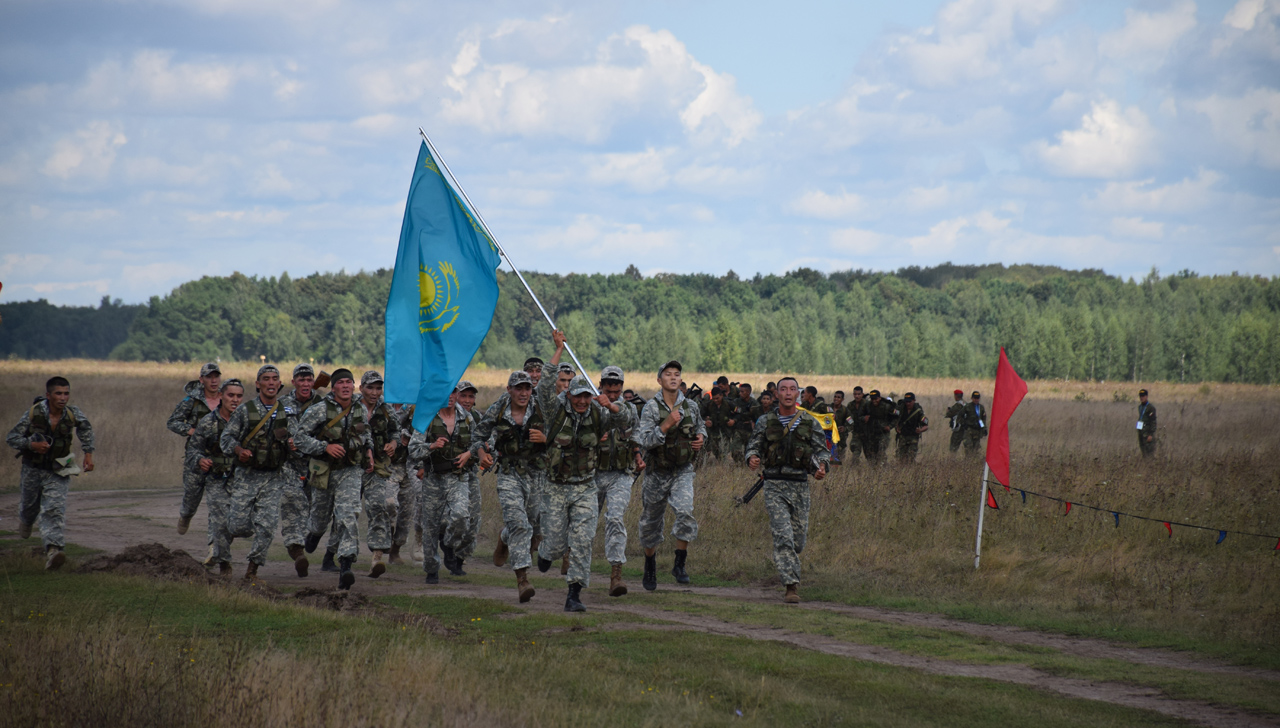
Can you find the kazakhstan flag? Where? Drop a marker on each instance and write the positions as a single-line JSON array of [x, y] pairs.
[[443, 293]]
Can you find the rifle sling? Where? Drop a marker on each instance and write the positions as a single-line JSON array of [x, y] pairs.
[[270, 415]]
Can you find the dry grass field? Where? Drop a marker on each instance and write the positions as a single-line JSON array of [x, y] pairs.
[[893, 537]]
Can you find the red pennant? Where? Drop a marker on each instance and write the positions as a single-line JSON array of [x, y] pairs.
[[1169, 527], [1068, 508], [1010, 389], [991, 501]]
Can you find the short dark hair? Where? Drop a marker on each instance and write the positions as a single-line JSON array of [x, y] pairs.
[[857, 389], [745, 384], [56, 382], [810, 389], [772, 385], [780, 381], [839, 392]]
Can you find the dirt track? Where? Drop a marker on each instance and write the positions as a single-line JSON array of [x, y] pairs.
[[113, 520]]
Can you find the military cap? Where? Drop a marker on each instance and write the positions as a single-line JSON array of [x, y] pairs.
[[303, 368], [976, 394], [210, 368], [959, 392], [341, 374], [566, 368], [908, 397], [518, 378], [267, 368], [669, 365], [580, 385], [370, 377], [1142, 392], [611, 374], [873, 393], [232, 382], [464, 385], [532, 361]]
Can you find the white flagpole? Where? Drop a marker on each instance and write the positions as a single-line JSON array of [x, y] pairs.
[[982, 510], [494, 238]]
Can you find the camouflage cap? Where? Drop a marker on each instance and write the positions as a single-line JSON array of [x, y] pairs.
[[267, 368], [580, 385], [210, 368], [671, 364], [370, 377], [612, 374], [232, 382], [532, 361], [566, 368], [303, 368], [518, 378], [464, 385], [341, 374]]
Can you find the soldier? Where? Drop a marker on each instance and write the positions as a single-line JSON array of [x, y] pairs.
[[1146, 425], [380, 488], [953, 417], [669, 436], [878, 418], [295, 500], [260, 434], [911, 424], [718, 416], [563, 377], [790, 444], [467, 400], [443, 451], [408, 492], [576, 423], [336, 437], [763, 406], [811, 401], [973, 425], [517, 438], [216, 467], [201, 399], [615, 474], [742, 420], [840, 412], [533, 367], [43, 438], [855, 427]]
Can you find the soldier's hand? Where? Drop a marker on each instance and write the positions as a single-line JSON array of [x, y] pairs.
[[422, 473], [41, 447], [1150, 438], [603, 399], [639, 462], [822, 472], [369, 453], [335, 451], [486, 460], [292, 446], [191, 432], [243, 454], [389, 448], [439, 443], [672, 420], [697, 442], [537, 436], [463, 459], [753, 462], [730, 423], [88, 463], [558, 338], [206, 464]]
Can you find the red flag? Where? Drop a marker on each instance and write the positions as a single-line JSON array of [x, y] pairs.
[[991, 500], [1010, 389], [1169, 527], [1068, 511]]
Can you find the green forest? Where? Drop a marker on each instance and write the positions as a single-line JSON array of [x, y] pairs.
[[948, 320], [40, 330]]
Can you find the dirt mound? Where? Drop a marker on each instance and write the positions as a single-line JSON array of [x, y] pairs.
[[335, 599], [152, 560]]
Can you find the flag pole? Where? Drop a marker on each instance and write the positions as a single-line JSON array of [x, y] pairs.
[[503, 252], [982, 510]]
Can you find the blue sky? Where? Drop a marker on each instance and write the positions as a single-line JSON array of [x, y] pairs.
[[146, 143]]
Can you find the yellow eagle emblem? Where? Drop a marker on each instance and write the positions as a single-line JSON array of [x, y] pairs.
[[436, 289]]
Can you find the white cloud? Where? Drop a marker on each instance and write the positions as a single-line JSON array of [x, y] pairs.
[[1244, 14], [642, 171], [858, 241], [1250, 123], [256, 216], [594, 237], [819, 204], [152, 76], [1136, 227], [89, 152], [1146, 37], [23, 265], [1109, 143], [1187, 195]]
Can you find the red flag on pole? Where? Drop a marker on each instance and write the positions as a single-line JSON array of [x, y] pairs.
[[1010, 389], [991, 501]]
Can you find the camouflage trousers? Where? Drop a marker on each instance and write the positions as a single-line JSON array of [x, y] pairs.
[[613, 495], [295, 505], [908, 449], [957, 438], [381, 502], [570, 523], [660, 489], [446, 506], [787, 502], [218, 503], [472, 533], [972, 443], [408, 492], [254, 508], [520, 501], [720, 444], [340, 502], [44, 504], [192, 485]]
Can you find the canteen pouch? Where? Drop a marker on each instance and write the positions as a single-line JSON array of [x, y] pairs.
[[281, 433], [318, 474]]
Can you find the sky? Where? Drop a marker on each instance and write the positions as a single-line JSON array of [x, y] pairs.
[[144, 143]]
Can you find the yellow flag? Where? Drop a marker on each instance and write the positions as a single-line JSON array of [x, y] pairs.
[[828, 423]]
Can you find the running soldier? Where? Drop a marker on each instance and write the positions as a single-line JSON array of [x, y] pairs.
[[1146, 425], [216, 467], [718, 416], [856, 426], [669, 436], [791, 445], [973, 425], [295, 501], [444, 449], [201, 399], [467, 400], [742, 421], [43, 438], [408, 489], [841, 413], [615, 474], [878, 418], [953, 417], [380, 492], [911, 424]]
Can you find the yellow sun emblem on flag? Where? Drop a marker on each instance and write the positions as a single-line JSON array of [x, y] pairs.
[[436, 288]]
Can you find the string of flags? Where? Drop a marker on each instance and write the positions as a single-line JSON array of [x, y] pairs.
[[1168, 524]]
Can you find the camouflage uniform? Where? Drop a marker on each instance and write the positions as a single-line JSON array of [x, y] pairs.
[[295, 498], [742, 424], [408, 487], [615, 475], [185, 417], [339, 499], [908, 438], [668, 476], [1147, 416], [381, 495], [973, 424], [719, 433], [841, 414], [44, 492], [446, 499], [957, 430], [254, 507], [883, 415], [206, 441], [573, 441], [519, 464], [788, 452]]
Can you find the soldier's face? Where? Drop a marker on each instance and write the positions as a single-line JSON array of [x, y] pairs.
[[269, 384], [371, 391], [857, 397], [520, 394], [806, 397], [611, 389], [837, 400], [211, 381], [580, 402], [718, 397], [467, 399], [788, 393], [231, 398], [1142, 398], [343, 390], [535, 373], [744, 392], [562, 381], [59, 396], [670, 379], [305, 384]]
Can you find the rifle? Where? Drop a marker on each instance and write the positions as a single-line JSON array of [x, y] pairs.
[[745, 498]]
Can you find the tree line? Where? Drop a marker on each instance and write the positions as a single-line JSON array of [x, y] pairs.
[[946, 320]]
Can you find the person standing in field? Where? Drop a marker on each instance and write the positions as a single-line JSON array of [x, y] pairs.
[[295, 499], [467, 400], [841, 414], [379, 489], [1146, 425], [879, 418], [669, 436], [953, 419], [860, 444], [790, 444], [43, 438], [615, 473], [260, 434], [216, 467], [336, 437], [742, 421], [444, 449], [201, 399], [973, 424], [911, 424]]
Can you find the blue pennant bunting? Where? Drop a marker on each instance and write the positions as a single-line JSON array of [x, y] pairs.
[[1222, 536], [1117, 515]]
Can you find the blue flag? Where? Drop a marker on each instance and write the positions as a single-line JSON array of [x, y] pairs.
[[443, 293]]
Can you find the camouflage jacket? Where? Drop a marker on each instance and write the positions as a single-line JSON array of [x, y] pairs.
[[461, 439], [719, 414], [206, 442], [1147, 416], [385, 426], [909, 420], [659, 448], [270, 444], [571, 459], [35, 420], [189, 411], [973, 417], [351, 431], [791, 451], [953, 414]]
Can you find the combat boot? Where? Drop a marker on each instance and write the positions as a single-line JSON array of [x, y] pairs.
[[312, 541], [457, 566], [300, 562], [433, 577], [393, 558], [345, 577], [212, 559], [54, 559], [379, 568], [616, 586], [677, 569], [650, 580], [543, 564], [327, 564], [793, 594], [224, 569], [564, 564], [183, 525], [574, 602], [523, 586], [251, 572], [500, 553], [533, 543], [24, 530], [447, 557]]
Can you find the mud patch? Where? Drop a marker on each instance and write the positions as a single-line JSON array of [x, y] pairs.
[[336, 600], [152, 560]]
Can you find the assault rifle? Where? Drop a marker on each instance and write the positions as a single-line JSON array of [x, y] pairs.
[[745, 498]]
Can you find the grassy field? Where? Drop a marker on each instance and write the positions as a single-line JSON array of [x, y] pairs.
[[893, 537]]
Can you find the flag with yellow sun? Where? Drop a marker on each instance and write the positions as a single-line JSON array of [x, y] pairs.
[[443, 293]]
